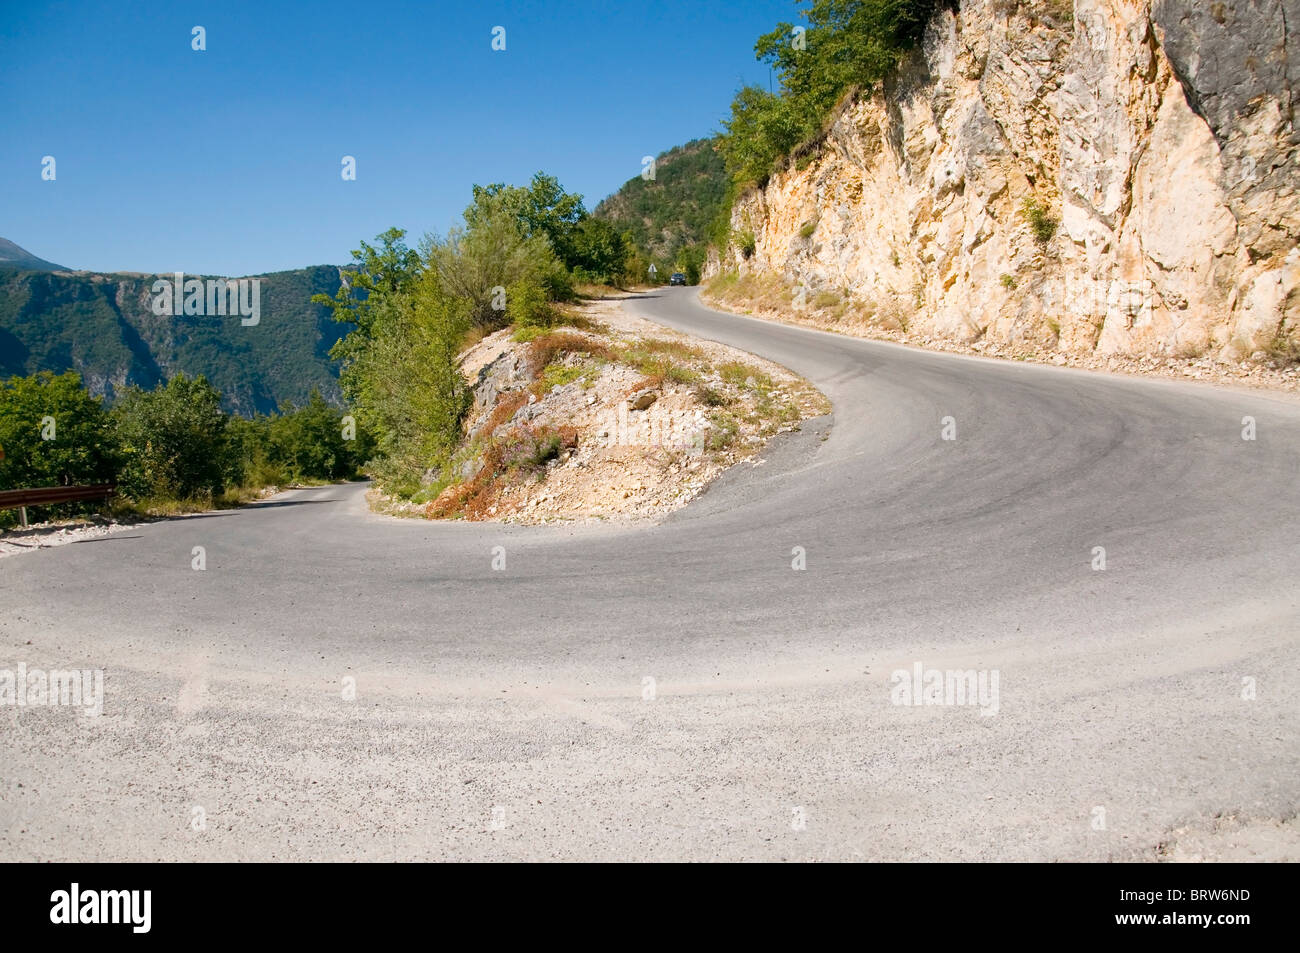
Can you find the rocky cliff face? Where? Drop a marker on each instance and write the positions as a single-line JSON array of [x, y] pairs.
[[1158, 135]]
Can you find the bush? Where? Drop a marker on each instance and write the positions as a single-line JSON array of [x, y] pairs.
[[53, 433], [527, 305], [1041, 223], [492, 253], [172, 440]]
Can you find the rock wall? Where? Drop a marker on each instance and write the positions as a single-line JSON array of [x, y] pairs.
[[1158, 134]]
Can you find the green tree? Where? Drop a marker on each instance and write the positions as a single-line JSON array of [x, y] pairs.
[[847, 44], [659, 216], [690, 262], [172, 440], [309, 441], [250, 459], [598, 251], [490, 254], [763, 128], [540, 208], [53, 433], [411, 394], [379, 272]]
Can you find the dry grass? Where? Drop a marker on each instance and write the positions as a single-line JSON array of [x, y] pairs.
[[678, 349], [505, 408], [521, 452], [650, 380], [659, 365], [828, 308], [545, 348]]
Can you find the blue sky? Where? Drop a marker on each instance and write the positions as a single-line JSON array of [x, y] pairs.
[[228, 161]]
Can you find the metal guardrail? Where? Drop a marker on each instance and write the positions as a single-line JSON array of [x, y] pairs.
[[49, 495]]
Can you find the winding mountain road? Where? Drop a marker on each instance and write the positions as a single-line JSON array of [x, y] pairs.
[[682, 692]]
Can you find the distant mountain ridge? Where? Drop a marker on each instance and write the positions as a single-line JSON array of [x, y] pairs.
[[15, 256], [102, 326]]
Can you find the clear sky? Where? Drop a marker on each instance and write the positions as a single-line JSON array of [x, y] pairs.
[[228, 161]]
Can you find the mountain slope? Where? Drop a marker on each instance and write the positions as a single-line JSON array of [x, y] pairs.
[[677, 209], [14, 256], [101, 326]]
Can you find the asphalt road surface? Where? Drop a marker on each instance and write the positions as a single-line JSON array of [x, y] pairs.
[[683, 692]]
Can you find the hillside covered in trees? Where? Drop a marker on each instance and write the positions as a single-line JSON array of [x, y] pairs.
[[671, 219], [102, 327]]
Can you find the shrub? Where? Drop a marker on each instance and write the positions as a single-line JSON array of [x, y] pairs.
[[527, 304], [173, 440], [521, 451], [723, 430], [526, 334], [557, 375], [491, 253], [1041, 223], [80, 447], [711, 397]]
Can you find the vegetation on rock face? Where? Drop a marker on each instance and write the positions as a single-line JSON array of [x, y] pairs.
[[846, 45], [1040, 220]]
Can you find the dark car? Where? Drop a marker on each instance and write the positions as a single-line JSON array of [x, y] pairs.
[[677, 278]]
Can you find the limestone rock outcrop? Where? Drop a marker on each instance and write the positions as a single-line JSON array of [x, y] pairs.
[[1157, 136]]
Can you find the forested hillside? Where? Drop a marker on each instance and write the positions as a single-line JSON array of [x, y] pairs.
[[101, 326], [670, 218]]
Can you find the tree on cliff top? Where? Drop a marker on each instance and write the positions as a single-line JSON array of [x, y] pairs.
[[846, 44]]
